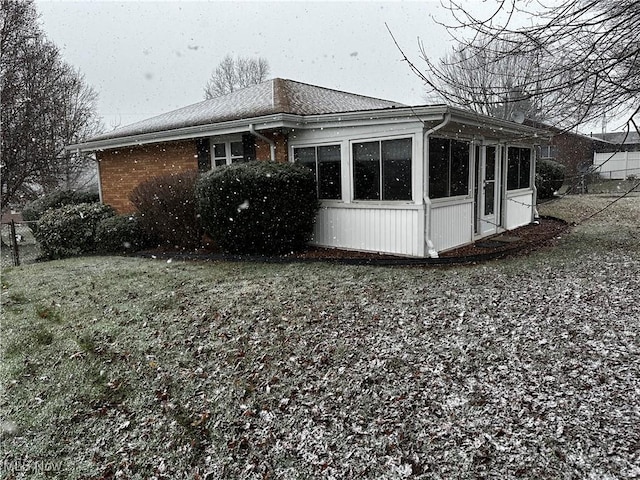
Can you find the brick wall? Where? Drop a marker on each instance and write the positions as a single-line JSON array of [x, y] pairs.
[[263, 151], [573, 151], [122, 169]]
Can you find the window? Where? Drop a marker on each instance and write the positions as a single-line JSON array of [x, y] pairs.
[[325, 163], [548, 151], [226, 153], [448, 168], [518, 168], [382, 170]]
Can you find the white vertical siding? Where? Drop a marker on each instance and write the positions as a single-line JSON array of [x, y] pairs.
[[451, 224], [375, 228], [518, 209], [617, 165]]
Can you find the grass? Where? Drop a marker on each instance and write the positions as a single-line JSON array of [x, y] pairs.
[[521, 368]]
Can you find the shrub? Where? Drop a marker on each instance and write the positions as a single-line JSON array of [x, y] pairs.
[[120, 234], [258, 207], [167, 209], [35, 209], [70, 230], [549, 177]]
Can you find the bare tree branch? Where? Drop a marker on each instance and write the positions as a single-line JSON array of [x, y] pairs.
[[46, 104], [577, 61], [233, 74]]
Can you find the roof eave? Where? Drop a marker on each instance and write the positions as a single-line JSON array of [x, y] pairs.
[[427, 113], [223, 128]]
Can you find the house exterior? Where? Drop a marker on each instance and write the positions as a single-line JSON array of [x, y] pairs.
[[391, 178], [572, 149]]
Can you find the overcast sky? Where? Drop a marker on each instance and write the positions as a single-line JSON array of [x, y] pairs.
[[146, 58]]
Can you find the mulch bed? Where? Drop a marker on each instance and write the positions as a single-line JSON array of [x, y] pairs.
[[530, 237], [515, 242]]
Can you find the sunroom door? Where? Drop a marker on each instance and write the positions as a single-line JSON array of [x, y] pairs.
[[488, 191]]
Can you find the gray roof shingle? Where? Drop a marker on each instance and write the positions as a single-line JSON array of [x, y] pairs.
[[270, 97]]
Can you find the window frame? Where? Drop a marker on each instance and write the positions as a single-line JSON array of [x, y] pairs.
[[509, 187], [228, 157], [449, 186], [381, 170], [316, 170]]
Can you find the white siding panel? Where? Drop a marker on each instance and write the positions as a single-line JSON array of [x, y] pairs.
[[518, 210], [451, 225], [373, 228], [618, 165]]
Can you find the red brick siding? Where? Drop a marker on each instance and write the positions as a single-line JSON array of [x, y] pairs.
[[263, 151], [573, 151], [122, 169]]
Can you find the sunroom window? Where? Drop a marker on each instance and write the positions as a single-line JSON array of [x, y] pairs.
[[325, 162], [518, 168], [382, 170], [448, 168]]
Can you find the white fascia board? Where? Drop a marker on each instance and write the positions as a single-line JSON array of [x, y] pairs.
[[498, 125], [423, 114], [368, 117]]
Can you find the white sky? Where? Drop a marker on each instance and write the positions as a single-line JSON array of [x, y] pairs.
[[146, 58]]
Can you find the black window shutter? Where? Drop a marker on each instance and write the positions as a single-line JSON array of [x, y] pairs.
[[204, 154], [249, 147]]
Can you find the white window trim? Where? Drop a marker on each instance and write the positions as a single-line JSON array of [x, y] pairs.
[[472, 144], [532, 168], [310, 144], [227, 141], [377, 138]]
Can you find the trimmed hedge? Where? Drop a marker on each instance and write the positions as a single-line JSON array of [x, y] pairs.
[[549, 177], [120, 234], [167, 208], [35, 209], [70, 230], [258, 207]]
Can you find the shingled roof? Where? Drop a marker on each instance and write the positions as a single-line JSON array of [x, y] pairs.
[[273, 96]]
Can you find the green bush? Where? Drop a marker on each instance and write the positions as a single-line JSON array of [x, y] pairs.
[[35, 209], [70, 230], [120, 234], [167, 208], [549, 177], [258, 207]]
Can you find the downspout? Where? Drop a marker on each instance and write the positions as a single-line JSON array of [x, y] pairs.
[[535, 216], [431, 250], [272, 144]]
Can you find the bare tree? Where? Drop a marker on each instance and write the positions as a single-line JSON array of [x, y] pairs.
[[46, 105], [585, 58], [491, 83], [233, 74]]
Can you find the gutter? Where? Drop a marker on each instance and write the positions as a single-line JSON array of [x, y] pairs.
[[446, 118], [272, 144]]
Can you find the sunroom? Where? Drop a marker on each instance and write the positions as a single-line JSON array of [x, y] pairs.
[[418, 187]]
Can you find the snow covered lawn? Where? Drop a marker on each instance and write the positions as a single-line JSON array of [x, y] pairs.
[[521, 368]]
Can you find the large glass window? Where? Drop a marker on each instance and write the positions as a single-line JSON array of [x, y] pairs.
[[448, 168], [325, 162], [518, 168], [382, 170]]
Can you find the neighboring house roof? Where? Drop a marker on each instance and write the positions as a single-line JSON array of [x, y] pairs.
[[273, 96], [619, 138]]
